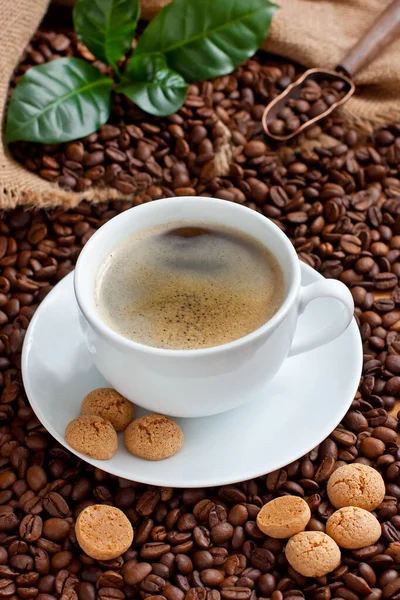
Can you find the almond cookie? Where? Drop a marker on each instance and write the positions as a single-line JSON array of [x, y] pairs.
[[356, 485], [109, 404], [312, 553], [283, 517], [103, 532], [92, 435], [353, 527], [153, 437]]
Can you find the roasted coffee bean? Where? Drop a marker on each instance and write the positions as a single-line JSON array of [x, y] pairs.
[[325, 469], [235, 593], [21, 562], [343, 437], [86, 591], [195, 593], [177, 537], [56, 529], [202, 509], [147, 503], [154, 550], [31, 528], [202, 560], [110, 594], [36, 478], [355, 421], [238, 515], [8, 522], [61, 560], [183, 563], [221, 533], [134, 572], [367, 573], [357, 584], [110, 579], [263, 559], [186, 522], [391, 588], [7, 588], [55, 505], [152, 584], [372, 447], [171, 592]]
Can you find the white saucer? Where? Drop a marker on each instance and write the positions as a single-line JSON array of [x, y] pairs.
[[295, 412]]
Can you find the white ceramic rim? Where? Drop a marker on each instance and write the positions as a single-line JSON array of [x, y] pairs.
[[119, 340]]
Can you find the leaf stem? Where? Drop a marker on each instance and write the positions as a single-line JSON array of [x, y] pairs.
[[117, 72]]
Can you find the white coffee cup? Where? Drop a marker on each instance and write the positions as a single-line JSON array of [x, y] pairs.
[[197, 383]]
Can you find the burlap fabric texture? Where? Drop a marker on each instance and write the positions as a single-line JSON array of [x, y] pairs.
[[315, 33]]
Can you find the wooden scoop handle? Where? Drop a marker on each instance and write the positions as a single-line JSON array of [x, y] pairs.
[[382, 33]]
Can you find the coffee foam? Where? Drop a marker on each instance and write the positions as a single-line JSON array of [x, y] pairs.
[[179, 292]]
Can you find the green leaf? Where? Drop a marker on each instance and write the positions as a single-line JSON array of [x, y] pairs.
[[207, 38], [59, 101], [154, 87], [106, 27]]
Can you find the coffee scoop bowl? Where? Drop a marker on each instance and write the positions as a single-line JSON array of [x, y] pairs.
[[374, 41]]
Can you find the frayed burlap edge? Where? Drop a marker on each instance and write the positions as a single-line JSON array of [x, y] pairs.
[[365, 123], [30, 190], [53, 196]]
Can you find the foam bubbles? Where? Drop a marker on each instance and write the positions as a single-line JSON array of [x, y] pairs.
[[199, 289]]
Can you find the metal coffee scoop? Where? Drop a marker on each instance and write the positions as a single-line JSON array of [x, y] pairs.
[[373, 42]]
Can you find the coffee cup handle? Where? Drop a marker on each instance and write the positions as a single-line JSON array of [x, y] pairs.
[[327, 288]]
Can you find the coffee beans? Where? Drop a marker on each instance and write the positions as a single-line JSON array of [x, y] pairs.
[[55, 505], [342, 214], [315, 96]]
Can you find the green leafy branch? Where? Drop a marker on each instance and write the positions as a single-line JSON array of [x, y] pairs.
[[188, 40]]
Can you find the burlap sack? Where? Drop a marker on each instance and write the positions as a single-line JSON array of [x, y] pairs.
[[19, 20], [311, 32]]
